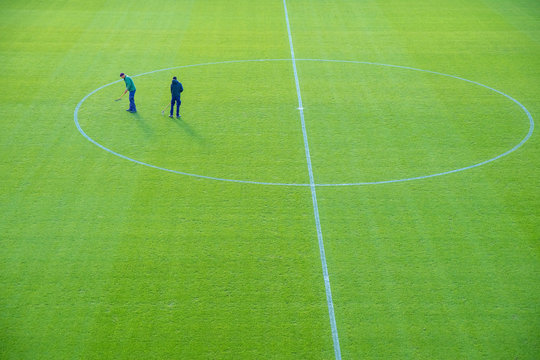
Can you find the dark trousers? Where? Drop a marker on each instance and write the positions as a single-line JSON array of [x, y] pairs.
[[132, 106], [178, 102]]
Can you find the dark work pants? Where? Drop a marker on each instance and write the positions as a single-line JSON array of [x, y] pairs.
[[178, 102], [132, 106]]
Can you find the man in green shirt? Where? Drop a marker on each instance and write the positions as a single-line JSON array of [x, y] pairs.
[[130, 86]]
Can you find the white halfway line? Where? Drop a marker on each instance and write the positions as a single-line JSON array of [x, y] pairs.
[[312, 185]]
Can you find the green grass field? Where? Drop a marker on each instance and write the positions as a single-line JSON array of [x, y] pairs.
[[105, 258]]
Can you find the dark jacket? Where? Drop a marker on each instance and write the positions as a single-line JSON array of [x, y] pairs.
[[176, 88]]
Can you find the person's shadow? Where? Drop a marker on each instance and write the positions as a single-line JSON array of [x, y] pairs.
[[187, 129], [141, 122]]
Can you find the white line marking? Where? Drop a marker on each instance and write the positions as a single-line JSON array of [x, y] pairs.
[[312, 185], [521, 143]]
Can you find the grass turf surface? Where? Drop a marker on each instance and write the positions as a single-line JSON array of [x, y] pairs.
[[104, 258]]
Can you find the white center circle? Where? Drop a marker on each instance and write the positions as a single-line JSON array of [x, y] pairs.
[[518, 145]]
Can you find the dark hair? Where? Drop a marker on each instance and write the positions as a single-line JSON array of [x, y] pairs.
[[121, 74], [174, 77]]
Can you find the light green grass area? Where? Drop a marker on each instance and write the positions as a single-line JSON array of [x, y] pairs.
[[103, 258]]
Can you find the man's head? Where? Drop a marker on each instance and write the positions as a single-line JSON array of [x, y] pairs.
[[174, 77], [122, 75]]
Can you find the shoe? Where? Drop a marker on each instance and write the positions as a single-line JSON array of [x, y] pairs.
[[171, 116], [177, 116]]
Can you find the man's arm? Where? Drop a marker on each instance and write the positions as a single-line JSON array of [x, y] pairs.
[[122, 94]]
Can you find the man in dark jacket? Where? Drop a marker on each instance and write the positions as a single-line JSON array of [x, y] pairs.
[[176, 89]]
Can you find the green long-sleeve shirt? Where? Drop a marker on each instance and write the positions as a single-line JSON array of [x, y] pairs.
[[130, 86]]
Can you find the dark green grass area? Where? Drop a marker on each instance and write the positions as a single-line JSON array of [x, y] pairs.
[[103, 258], [123, 287]]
